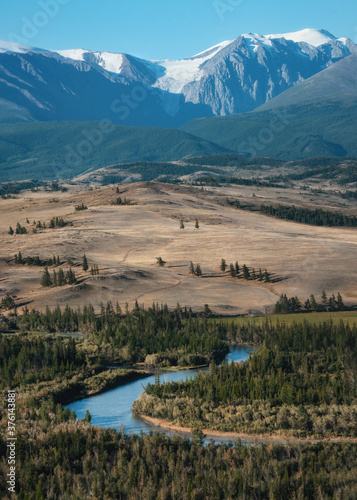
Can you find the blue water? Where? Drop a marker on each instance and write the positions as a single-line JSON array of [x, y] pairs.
[[113, 408]]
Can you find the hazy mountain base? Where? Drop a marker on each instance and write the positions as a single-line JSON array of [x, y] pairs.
[[58, 150], [290, 133]]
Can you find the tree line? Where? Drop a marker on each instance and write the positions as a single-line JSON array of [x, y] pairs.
[[317, 217], [244, 272], [176, 336], [36, 261], [292, 305], [80, 461], [55, 222]]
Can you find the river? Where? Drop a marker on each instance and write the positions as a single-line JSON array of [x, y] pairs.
[[113, 408]]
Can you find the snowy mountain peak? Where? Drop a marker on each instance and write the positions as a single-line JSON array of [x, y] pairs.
[[110, 61], [234, 76], [17, 48], [311, 36]]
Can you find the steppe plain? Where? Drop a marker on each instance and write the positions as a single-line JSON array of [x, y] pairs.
[[124, 241]]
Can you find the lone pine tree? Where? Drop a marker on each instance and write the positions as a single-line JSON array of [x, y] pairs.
[[160, 262], [85, 263]]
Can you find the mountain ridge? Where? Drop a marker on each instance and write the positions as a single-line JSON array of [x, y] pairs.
[[231, 77], [317, 117]]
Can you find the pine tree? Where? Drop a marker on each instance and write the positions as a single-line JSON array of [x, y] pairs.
[[307, 305], [46, 278], [192, 268], [70, 278], [340, 304], [160, 262], [223, 266], [207, 311], [246, 273], [85, 263], [232, 271], [236, 267], [198, 270], [197, 226], [60, 278], [266, 276], [313, 303], [58, 260], [11, 231], [332, 303], [182, 225], [254, 277], [87, 417], [260, 274], [324, 299], [55, 281]]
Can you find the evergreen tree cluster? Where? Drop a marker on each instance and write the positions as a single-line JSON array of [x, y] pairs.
[[120, 201], [177, 336], [244, 272], [94, 270], [7, 302], [18, 230], [36, 261], [58, 278], [56, 222], [317, 217], [80, 207], [25, 360], [195, 270], [293, 305], [80, 461], [297, 368]]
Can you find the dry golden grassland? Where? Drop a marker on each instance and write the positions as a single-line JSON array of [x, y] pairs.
[[124, 241]]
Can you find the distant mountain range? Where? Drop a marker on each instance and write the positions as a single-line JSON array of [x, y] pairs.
[[235, 76], [317, 117]]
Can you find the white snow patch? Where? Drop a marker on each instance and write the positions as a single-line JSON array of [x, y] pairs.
[[254, 40], [110, 61], [173, 75], [75, 54], [17, 47], [311, 36]]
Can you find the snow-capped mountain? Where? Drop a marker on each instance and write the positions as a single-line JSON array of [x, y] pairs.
[[232, 77]]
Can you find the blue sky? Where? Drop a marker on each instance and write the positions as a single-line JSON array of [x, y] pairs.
[[160, 29]]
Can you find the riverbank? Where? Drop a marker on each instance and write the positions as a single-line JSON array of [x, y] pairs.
[[246, 438], [100, 383], [80, 385]]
